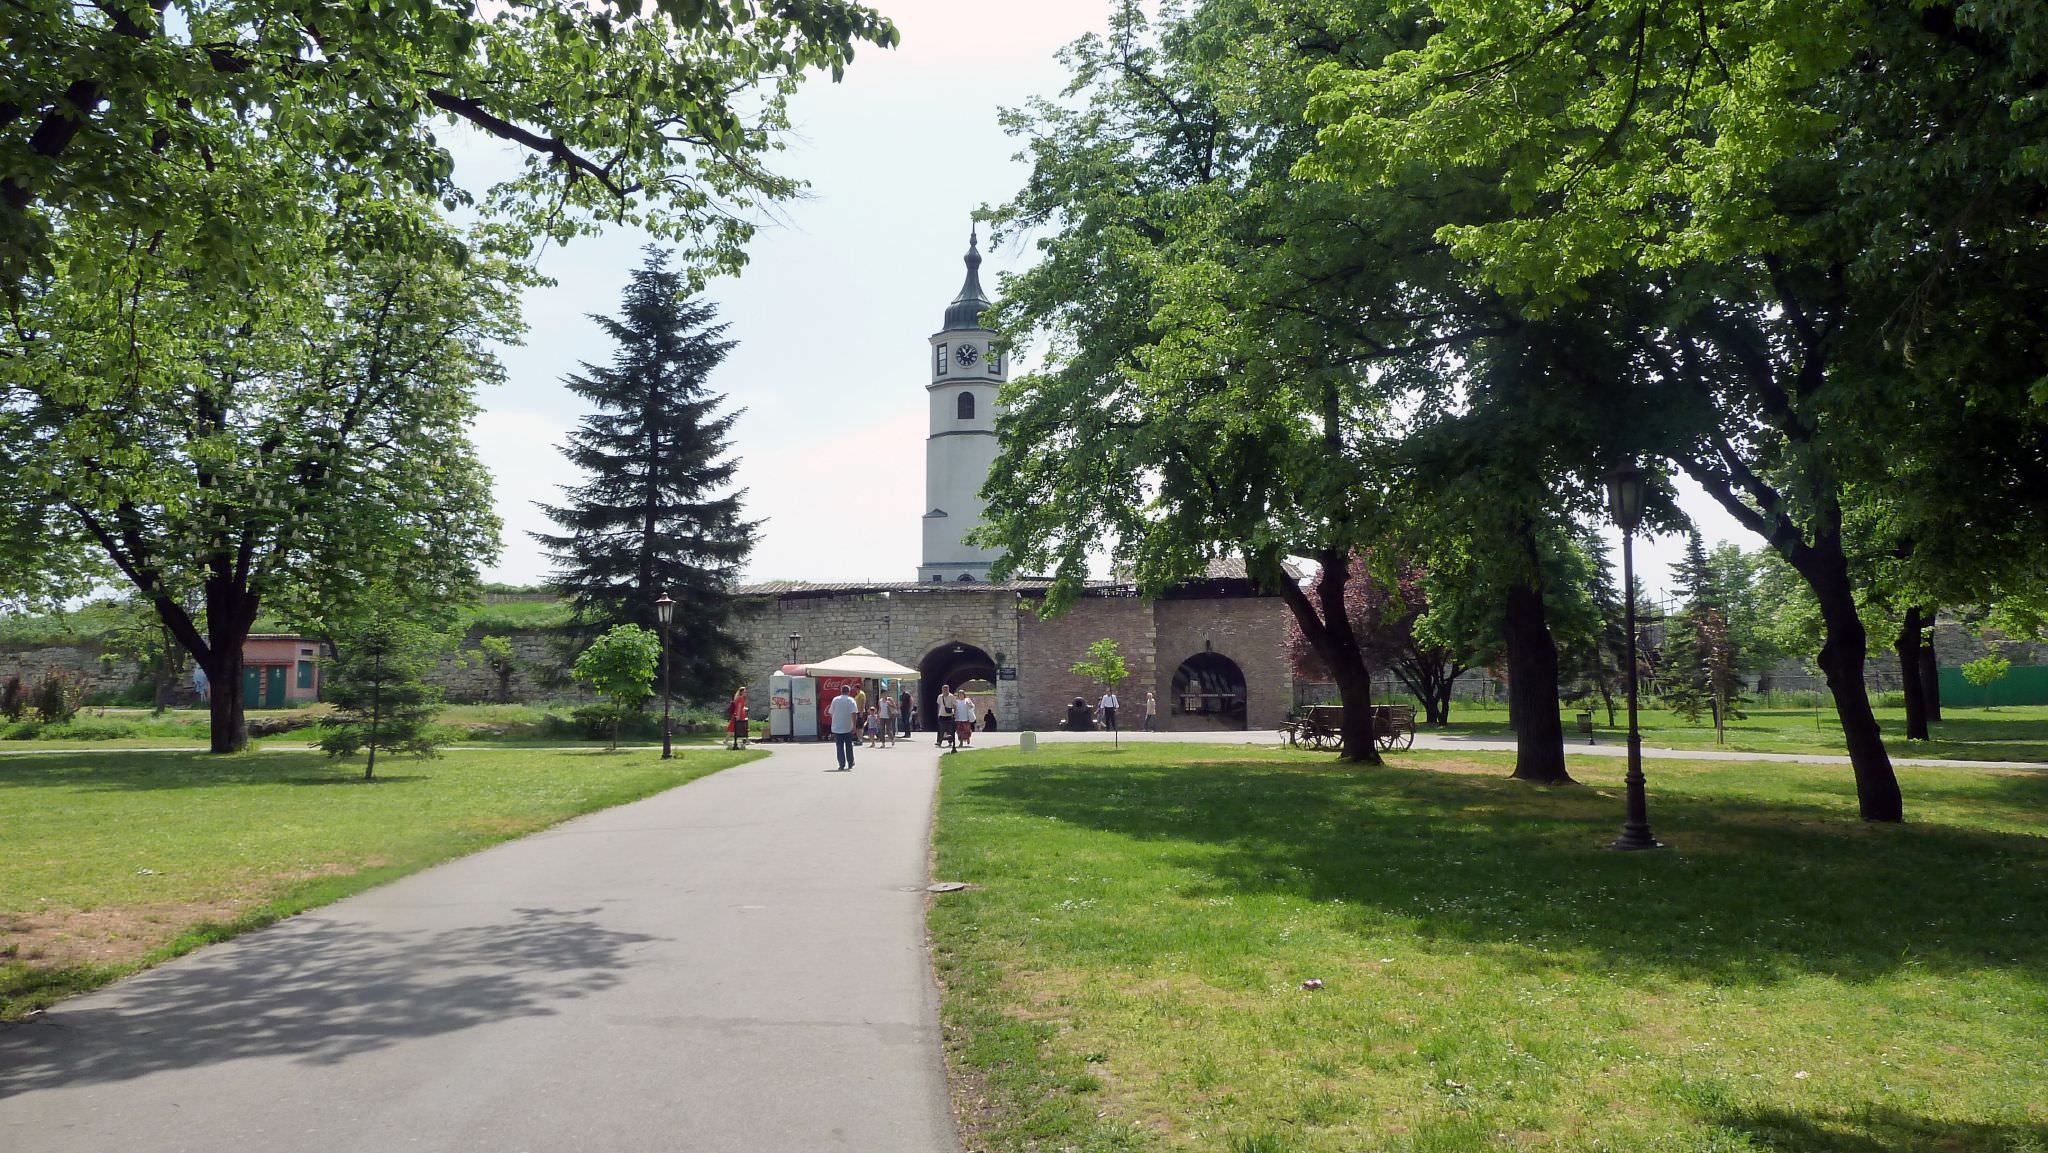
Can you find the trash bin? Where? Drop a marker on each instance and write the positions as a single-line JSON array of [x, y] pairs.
[[1586, 724]]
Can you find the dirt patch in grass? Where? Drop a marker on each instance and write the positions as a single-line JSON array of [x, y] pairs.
[[109, 936], [501, 826]]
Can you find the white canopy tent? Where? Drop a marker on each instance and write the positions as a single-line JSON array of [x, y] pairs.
[[861, 662]]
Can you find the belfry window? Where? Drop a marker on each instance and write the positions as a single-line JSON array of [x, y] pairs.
[[939, 360], [966, 406]]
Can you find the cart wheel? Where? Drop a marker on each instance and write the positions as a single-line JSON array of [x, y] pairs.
[[1329, 742], [1407, 740]]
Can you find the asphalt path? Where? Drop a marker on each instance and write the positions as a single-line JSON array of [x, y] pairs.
[[733, 966]]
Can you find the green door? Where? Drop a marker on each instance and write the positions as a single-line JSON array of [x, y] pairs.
[[273, 686], [252, 686]]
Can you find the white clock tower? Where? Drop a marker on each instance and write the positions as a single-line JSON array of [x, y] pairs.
[[967, 368]]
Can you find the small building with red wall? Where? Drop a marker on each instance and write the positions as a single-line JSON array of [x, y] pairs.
[[280, 670]]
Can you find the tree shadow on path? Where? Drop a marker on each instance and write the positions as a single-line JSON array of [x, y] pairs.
[[316, 991]]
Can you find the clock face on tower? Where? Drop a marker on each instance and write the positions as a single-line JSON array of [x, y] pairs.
[[966, 354]]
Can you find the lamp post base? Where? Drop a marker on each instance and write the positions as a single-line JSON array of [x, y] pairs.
[[1632, 840]]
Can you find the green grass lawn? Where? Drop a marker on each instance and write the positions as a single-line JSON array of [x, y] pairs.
[[509, 725], [2009, 733], [108, 863], [1127, 972]]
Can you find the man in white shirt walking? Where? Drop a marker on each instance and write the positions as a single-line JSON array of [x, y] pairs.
[[943, 724], [1109, 710], [843, 711]]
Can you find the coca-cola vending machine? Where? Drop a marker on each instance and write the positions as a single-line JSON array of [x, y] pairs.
[[828, 687], [792, 708]]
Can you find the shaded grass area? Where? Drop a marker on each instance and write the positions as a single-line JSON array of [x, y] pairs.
[[2012, 733], [112, 863], [1127, 975]]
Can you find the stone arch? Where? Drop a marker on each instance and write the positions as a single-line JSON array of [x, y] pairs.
[[951, 663], [1208, 692]]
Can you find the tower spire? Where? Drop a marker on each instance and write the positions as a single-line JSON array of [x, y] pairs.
[[966, 309]]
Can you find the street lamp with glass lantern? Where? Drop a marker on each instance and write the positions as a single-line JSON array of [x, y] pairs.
[[665, 611], [1625, 487]]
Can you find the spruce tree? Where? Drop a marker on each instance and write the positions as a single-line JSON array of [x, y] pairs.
[[658, 514]]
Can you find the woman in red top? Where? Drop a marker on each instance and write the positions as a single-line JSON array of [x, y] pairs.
[[736, 719]]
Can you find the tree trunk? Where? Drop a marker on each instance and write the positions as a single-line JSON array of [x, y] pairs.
[[1907, 646], [1325, 624], [1841, 659], [1532, 689], [1929, 670], [1354, 688], [224, 699]]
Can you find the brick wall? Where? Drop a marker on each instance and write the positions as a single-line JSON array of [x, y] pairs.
[[903, 626], [906, 626], [1051, 646], [1247, 630]]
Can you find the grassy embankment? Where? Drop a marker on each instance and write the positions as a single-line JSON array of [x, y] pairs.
[[1127, 973], [108, 864], [2008, 733]]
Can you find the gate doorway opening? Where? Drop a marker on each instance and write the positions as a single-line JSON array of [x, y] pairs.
[[960, 665], [1208, 692]]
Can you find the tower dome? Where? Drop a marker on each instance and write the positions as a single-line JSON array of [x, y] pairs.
[[966, 309]]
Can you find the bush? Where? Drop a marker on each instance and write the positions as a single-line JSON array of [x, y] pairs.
[[13, 697], [57, 698]]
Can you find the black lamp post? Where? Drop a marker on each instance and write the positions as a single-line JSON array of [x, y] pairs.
[[1625, 501], [665, 611]]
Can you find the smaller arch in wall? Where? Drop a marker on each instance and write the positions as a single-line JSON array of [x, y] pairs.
[[1208, 691], [965, 406]]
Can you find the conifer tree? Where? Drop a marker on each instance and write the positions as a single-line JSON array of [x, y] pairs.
[[658, 514], [379, 692]]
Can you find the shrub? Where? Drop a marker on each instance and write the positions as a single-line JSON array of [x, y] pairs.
[[57, 698], [13, 697]]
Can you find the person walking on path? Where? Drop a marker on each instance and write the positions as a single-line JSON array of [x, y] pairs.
[[1109, 710], [1151, 713], [887, 705], [844, 710], [906, 710], [963, 717], [942, 724], [736, 720]]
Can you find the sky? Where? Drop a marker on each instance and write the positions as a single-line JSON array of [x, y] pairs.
[[832, 312]]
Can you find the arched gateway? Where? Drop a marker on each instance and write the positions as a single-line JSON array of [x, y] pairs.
[[1209, 688], [954, 663]]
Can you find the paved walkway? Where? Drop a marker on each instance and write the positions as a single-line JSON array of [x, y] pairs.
[[734, 966]]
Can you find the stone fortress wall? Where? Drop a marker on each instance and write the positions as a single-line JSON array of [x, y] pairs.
[[913, 624]]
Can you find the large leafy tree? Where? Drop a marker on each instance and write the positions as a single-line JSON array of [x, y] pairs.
[[1226, 349], [658, 514], [1824, 203], [1387, 602], [651, 112], [287, 442]]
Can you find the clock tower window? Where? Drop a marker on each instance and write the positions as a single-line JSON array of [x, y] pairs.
[[965, 406], [939, 362]]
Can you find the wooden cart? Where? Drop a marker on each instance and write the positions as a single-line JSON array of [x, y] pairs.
[[1322, 727]]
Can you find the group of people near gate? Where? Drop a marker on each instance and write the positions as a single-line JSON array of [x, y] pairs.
[[966, 713], [855, 721]]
